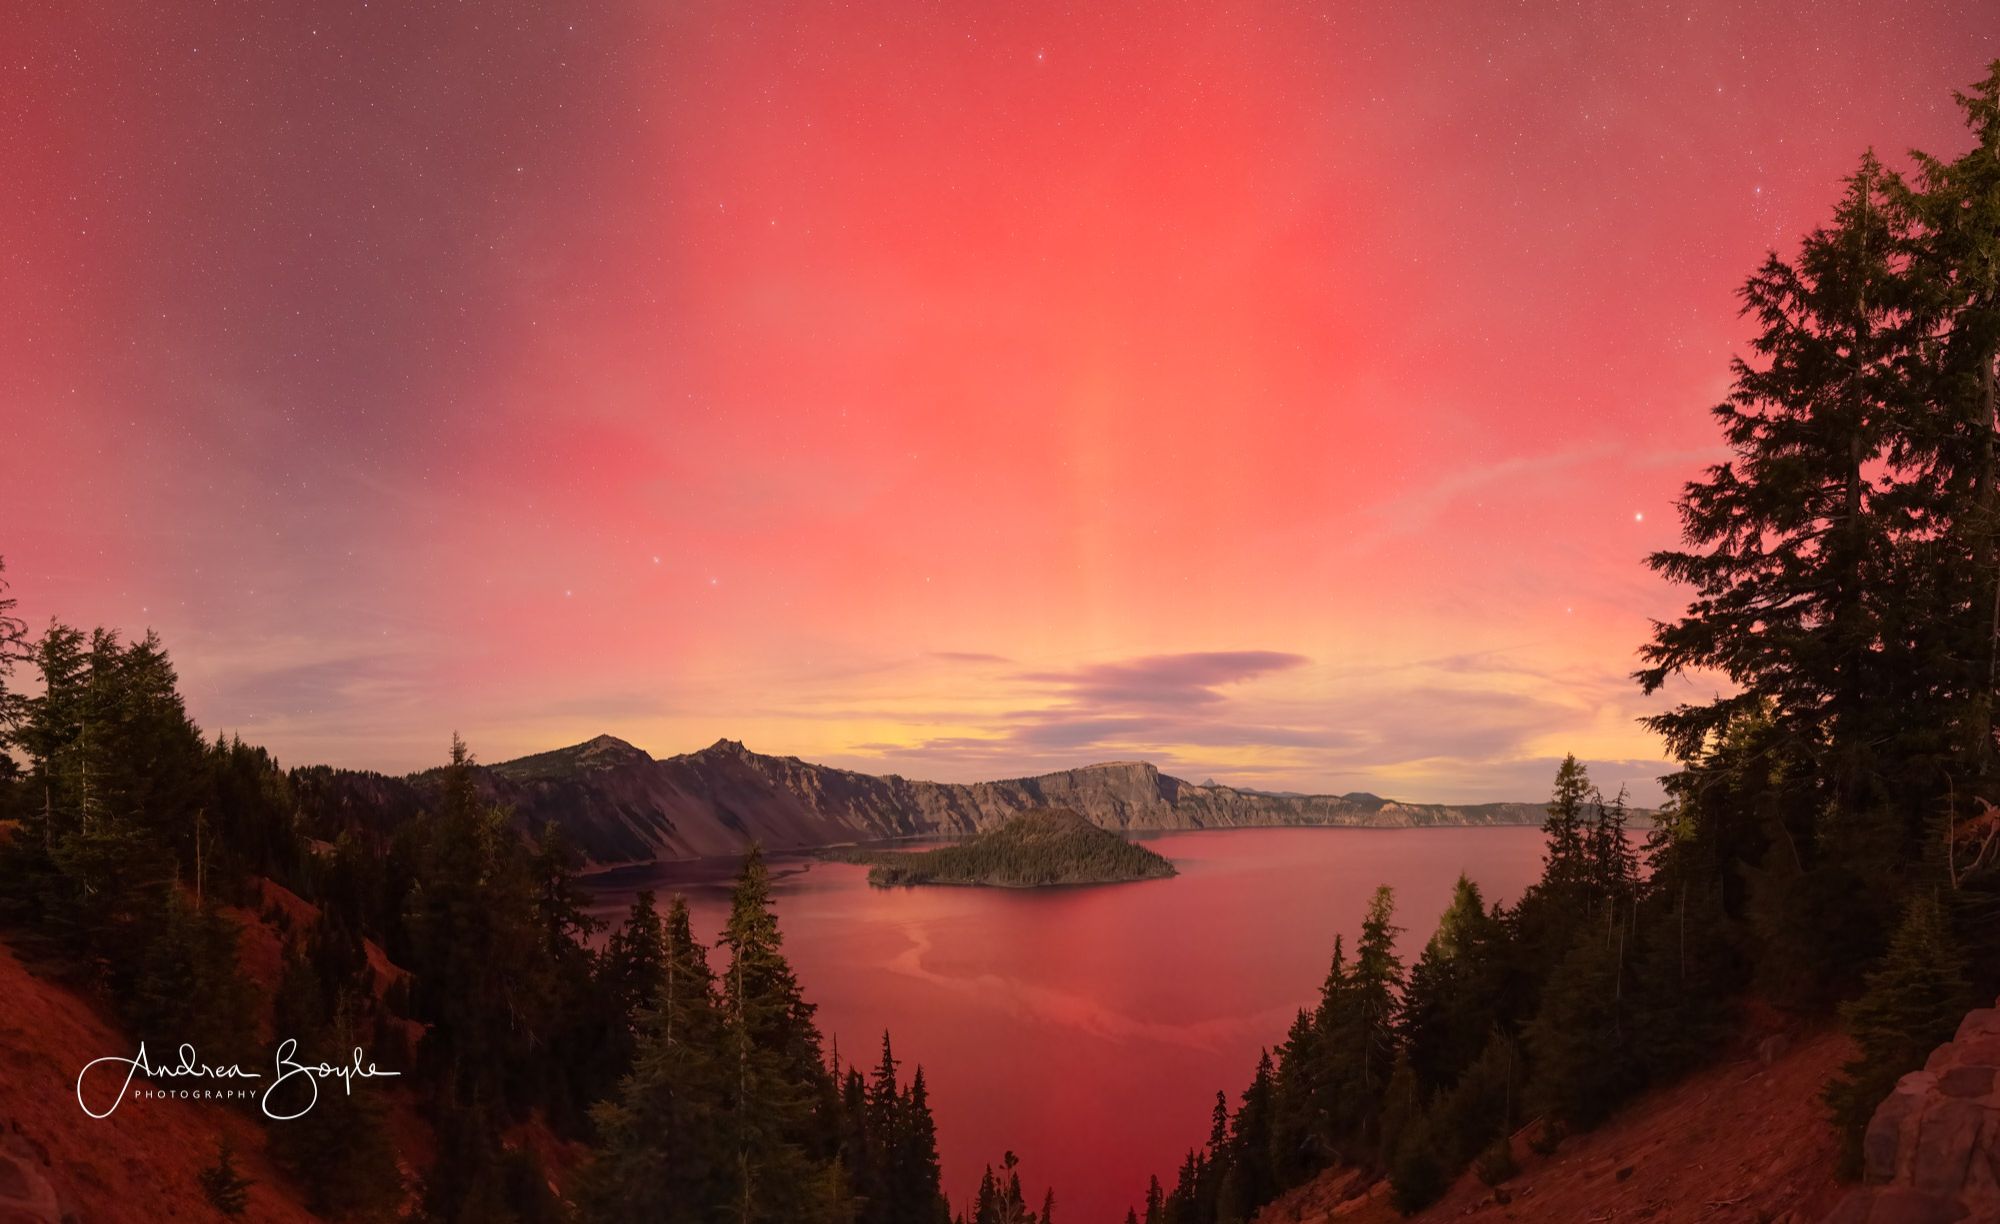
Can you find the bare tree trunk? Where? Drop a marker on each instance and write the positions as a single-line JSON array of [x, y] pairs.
[[1990, 563], [1684, 929]]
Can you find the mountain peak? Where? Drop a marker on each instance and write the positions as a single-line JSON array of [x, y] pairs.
[[600, 752], [609, 750]]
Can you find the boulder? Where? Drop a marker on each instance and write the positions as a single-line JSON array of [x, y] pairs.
[[1932, 1149]]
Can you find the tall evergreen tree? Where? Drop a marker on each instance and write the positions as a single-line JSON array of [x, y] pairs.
[[661, 1154], [1453, 996], [13, 650], [627, 978], [1252, 1181], [920, 1189], [1952, 211], [1579, 1039], [336, 1150], [1369, 1016], [1614, 868], [781, 1118], [1566, 856], [189, 988], [1794, 549]]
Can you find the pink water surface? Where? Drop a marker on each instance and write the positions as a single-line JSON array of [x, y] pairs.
[[1087, 1029]]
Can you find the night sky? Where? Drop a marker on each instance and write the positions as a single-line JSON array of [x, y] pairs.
[[1281, 393]]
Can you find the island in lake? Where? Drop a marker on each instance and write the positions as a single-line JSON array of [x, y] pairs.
[[1036, 849]]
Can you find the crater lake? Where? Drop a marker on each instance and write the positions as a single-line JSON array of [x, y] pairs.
[[1087, 1029]]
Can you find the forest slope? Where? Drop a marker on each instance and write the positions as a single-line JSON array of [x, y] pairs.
[[1742, 1139], [140, 1163]]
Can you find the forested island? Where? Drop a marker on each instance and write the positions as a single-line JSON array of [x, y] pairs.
[[1033, 850]]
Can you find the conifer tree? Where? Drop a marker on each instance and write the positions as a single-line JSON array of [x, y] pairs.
[[335, 1148], [1614, 868], [484, 981], [1370, 1013], [632, 966], [921, 1187], [47, 729], [660, 1155], [1453, 996], [1578, 1038], [1251, 1180], [1406, 1150], [1796, 549], [1685, 969], [1914, 1000], [1566, 857], [1296, 1124], [1481, 1105], [189, 988], [13, 650], [780, 1120], [857, 1145], [1952, 210], [880, 1175], [225, 1189], [1548, 916]]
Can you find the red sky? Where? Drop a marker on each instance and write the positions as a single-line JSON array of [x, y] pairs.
[[1282, 394]]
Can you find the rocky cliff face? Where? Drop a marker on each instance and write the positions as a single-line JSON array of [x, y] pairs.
[[621, 805], [1933, 1148]]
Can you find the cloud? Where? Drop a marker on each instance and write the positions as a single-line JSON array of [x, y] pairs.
[[1417, 509], [1144, 706], [1456, 727], [1174, 680]]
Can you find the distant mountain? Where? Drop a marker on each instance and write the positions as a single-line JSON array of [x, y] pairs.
[[621, 805]]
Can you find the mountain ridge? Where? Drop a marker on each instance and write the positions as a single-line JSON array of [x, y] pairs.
[[620, 804]]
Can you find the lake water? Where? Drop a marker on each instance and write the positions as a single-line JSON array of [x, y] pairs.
[[1087, 1029]]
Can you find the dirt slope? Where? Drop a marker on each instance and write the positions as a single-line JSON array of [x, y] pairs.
[[137, 1165], [1739, 1141]]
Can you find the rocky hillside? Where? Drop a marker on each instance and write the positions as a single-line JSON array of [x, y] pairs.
[[622, 805]]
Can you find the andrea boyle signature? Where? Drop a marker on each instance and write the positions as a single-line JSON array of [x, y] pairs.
[[188, 1066]]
